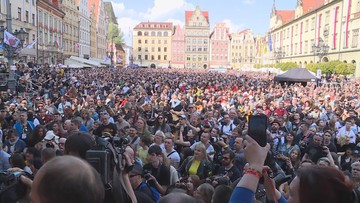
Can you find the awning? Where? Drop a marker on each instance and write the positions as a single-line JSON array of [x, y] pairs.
[[105, 61], [85, 61], [69, 63], [28, 52]]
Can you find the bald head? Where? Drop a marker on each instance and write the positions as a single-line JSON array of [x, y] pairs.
[[177, 197], [67, 179]]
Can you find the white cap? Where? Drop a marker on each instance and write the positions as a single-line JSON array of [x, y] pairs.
[[49, 135]]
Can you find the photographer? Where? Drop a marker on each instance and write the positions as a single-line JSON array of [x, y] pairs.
[[143, 191], [158, 171]]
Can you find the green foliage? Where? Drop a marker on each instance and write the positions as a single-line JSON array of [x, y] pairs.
[[287, 66], [115, 33], [312, 67], [332, 67], [345, 69]]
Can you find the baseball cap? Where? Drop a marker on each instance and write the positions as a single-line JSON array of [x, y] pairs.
[[49, 135], [183, 116], [137, 169]]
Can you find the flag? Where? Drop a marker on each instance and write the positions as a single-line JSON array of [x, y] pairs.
[[31, 45], [10, 39], [106, 59], [270, 43]]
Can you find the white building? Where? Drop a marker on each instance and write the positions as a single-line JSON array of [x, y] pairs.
[[23, 13], [84, 29]]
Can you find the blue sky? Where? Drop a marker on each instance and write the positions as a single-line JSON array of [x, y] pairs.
[[238, 14]]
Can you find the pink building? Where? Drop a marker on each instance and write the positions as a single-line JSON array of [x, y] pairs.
[[178, 48], [219, 46]]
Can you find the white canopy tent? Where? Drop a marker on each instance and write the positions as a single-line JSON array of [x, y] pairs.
[[69, 63], [101, 61], [86, 61]]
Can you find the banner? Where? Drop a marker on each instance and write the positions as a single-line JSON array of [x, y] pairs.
[[31, 45], [10, 39]]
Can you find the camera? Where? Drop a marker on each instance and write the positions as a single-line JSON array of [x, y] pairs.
[[49, 145], [104, 156], [11, 188], [216, 139]]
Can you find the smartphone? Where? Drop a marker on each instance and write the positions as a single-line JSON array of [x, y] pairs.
[[257, 128]]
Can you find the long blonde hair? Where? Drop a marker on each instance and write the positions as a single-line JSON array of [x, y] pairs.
[[202, 148]]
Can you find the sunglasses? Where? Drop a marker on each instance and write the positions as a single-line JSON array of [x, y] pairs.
[[160, 118]]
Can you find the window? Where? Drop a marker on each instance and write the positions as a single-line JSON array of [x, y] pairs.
[[146, 41], [165, 57], [139, 48], [188, 48], [146, 49], [40, 17], [306, 45], [194, 41], [327, 16], [27, 16], [139, 33], [355, 38], [188, 57], [152, 41], [139, 57], [19, 14], [205, 41], [153, 33], [193, 48], [152, 49], [165, 50], [33, 19], [194, 58], [165, 41], [199, 58], [146, 33], [200, 48], [146, 57], [312, 23], [159, 57], [159, 49], [159, 41], [165, 34], [159, 34], [139, 41], [152, 57], [357, 6]]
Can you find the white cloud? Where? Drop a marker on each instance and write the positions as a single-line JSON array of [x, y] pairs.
[[118, 8], [165, 8], [249, 2], [176, 22], [127, 25], [234, 27]]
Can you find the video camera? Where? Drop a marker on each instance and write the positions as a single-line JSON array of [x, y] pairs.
[[104, 156], [11, 188]]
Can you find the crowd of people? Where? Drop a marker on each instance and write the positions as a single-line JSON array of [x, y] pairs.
[[186, 135]]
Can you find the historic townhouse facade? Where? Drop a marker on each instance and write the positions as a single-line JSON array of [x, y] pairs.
[[152, 44], [178, 47], [50, 34], [71, 28], [197, 32], [334, 23], [219, 46], [102, 22], [243, 49], [84, 28], [24, 15]]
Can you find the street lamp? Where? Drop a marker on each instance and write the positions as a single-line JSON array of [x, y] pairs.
[[279, 54], [321, 49], [12, 52]]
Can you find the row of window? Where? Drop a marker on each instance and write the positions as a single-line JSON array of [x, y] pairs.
[[27, 17], [152, 57], [240, 47], [196, 41], [196, 58], [153, 33], [152, 41], [49, 38], [197, 48], [49, 21], [146, 49], [241, 61]]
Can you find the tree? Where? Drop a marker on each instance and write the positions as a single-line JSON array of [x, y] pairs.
[[312, 67], [287, 66], [115, 34], [345, 69]]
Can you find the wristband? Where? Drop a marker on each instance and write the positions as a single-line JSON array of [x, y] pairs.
[[253, 172]]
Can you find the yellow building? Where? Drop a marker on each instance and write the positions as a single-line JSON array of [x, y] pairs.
[[197, 33], [71, 28], [152, 44], [329, 23], [242, 49]]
